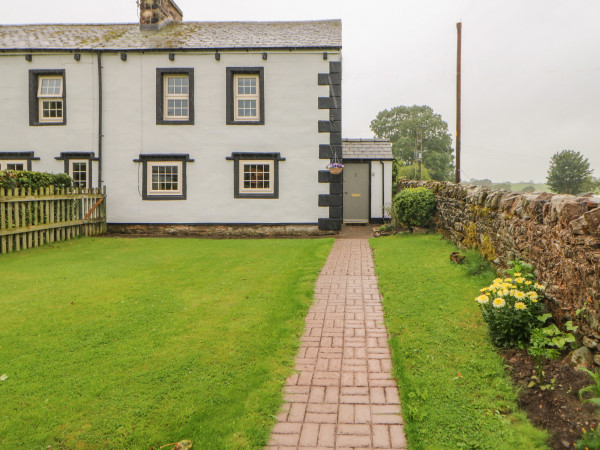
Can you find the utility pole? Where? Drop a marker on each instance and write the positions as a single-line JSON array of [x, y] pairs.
[[458, 93]]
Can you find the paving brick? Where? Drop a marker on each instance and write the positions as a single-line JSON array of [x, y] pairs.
[[354, 429], [347, 379], [326, 435], [398, 437], [377, 395], [317, 394], [287, 428], [320, 418], [310, 434], [361, 379], [352, 441], [297, 411], [284, 439], [322, 407], [362, 414], [364, 399], [346, 414], [381, 436], [332, 395]]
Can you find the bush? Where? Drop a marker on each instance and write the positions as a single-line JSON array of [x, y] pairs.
[[414, 207], [11, 179], [408, 172], [510, 306]]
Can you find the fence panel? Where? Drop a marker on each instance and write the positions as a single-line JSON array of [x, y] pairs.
[[30, 219]]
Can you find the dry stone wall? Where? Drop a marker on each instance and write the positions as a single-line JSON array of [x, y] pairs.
[[558, 234]]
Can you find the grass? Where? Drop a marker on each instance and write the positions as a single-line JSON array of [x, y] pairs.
[[455, 393], [133, 343]]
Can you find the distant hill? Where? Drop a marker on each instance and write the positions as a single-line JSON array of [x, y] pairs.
[[515, 187]]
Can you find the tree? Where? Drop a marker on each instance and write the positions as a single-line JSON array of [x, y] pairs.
[[400, 124], [569, 172]]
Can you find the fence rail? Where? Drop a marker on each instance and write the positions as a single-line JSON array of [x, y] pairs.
[[33, 218]]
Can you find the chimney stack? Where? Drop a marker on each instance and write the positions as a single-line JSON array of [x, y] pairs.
[[155, 14]]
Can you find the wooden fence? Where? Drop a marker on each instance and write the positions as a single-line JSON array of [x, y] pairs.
[[30, 219]]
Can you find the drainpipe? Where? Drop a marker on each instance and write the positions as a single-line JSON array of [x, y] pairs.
[[382, 191], [100, 136]]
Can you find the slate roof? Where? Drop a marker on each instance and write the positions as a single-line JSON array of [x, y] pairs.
[[377, 149], [323, 34]]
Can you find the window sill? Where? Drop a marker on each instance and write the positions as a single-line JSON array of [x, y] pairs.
[[47, 124], [246, 122], [164, 197]]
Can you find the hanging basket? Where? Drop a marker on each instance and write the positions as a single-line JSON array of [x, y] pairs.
[[335, 168]]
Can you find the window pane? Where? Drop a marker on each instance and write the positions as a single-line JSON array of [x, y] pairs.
[[15, 166], [50, 86], [256, 176], [165, 178], [52, 109], [247, 108], [247, 85]]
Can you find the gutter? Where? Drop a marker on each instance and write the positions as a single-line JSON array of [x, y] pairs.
[[171, 49]]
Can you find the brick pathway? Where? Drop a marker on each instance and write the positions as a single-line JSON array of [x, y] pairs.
[[342, 395]]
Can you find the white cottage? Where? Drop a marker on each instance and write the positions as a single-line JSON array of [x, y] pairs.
[[185, 123]]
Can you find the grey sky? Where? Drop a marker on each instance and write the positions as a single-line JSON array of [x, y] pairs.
[[531, 69]]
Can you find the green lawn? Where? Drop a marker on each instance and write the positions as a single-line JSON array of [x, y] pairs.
[[455, 393], [133, 343]]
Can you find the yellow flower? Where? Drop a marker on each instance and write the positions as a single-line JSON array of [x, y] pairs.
[[504, 292], [539, 286], [533, 296], [508, 280], [499, 302], [528, 282], [482, 299], [513, 292], [520, 305], [497, 280], [517, 274], [519, 280], [520, 295]]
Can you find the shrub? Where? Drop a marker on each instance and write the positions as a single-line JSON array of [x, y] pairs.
[[510, 306], [408, 172], [414, 207], [11, 179]]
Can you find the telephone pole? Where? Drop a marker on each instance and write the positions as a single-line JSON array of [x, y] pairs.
[[458, 69]]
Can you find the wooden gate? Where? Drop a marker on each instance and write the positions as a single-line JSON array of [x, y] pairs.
[[30, 219]]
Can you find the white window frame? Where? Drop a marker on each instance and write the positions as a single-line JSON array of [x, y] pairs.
[[54, 97], [156, 192], [266, 162], [5, 162], [168, 97], [237, 96], [87, 171]]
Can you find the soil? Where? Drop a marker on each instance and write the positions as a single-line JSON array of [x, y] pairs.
[[559, 410]]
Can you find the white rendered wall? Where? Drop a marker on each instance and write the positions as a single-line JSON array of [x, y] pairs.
[[381, 189], [129, 129], [291, 116], [80, 132]]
